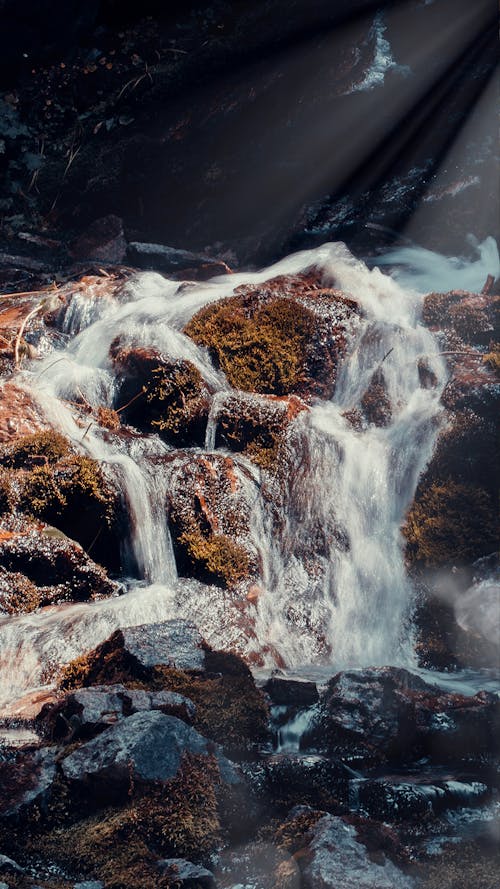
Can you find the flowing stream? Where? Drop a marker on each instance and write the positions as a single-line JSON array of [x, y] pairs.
[[354, 483]]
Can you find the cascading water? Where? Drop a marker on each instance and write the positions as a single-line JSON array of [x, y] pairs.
[[355, 485]]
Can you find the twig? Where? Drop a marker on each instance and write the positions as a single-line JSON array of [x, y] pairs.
[[387, 355], [21, 330], [87, 429], [122, 408]]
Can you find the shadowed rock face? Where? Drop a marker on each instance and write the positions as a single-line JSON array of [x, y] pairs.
[[388, 714]]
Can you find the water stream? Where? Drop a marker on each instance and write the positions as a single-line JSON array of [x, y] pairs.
[[355, 483]]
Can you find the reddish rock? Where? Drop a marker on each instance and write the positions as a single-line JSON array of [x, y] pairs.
[[103, 241], [209, 509], [19, 413]]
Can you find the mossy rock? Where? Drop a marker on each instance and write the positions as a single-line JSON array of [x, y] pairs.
[[275, 345], [209, 515], [375, 403], [230, 709], [166, 396], [451, 524], [257, 426], [48, 480], [121, 846], [40, 448]]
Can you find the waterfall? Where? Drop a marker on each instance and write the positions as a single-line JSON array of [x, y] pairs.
[[350, 483]]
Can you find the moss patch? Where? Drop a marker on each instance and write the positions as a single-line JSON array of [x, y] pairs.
[[41, 447], [451, 524], [230, 709], [121, 846], [276, 346]]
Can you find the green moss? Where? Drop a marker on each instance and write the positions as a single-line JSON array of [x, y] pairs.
[[451, 524], [179, 397], [121, 846], [260, 349], [461, 866], [229, 707], [218, 558], [71, 494], [492, 358], [46, 447]]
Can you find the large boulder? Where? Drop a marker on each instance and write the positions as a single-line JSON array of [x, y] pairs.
[[387, 713], [134, 652], [283, 337], [333, 852], [146, 747]]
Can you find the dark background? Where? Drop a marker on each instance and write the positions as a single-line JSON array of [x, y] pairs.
[[241, 128]]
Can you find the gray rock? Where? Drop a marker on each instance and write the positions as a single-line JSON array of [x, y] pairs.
[[169, 259], [89, 884], [172, 643], [338, 859], [186, 874], [90, 710], [31, 778], [8, 866], [146, 746]]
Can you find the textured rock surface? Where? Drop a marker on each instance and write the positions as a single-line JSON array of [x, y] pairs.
[[91, 710], [145, 747], [389, 713]]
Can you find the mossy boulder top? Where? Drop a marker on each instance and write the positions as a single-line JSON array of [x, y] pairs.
[[283, 337]]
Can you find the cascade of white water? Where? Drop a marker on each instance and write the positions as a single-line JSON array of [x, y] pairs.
[[345, 597]]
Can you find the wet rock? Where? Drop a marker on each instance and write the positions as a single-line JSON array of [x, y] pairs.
[[164, 395], [133, 652], [291, 692], [8, 866], [26, 781], [19, 413], [175, 262], [187, 875], [89, 884], [146, 747], [284, 337], [386, 713], [332, 853], [103, 241], [209, 505], [67, 490], [394, 802], [473, 317], [44, 566], [91, 710], [376, 403], [316, 781], [256, 426]]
